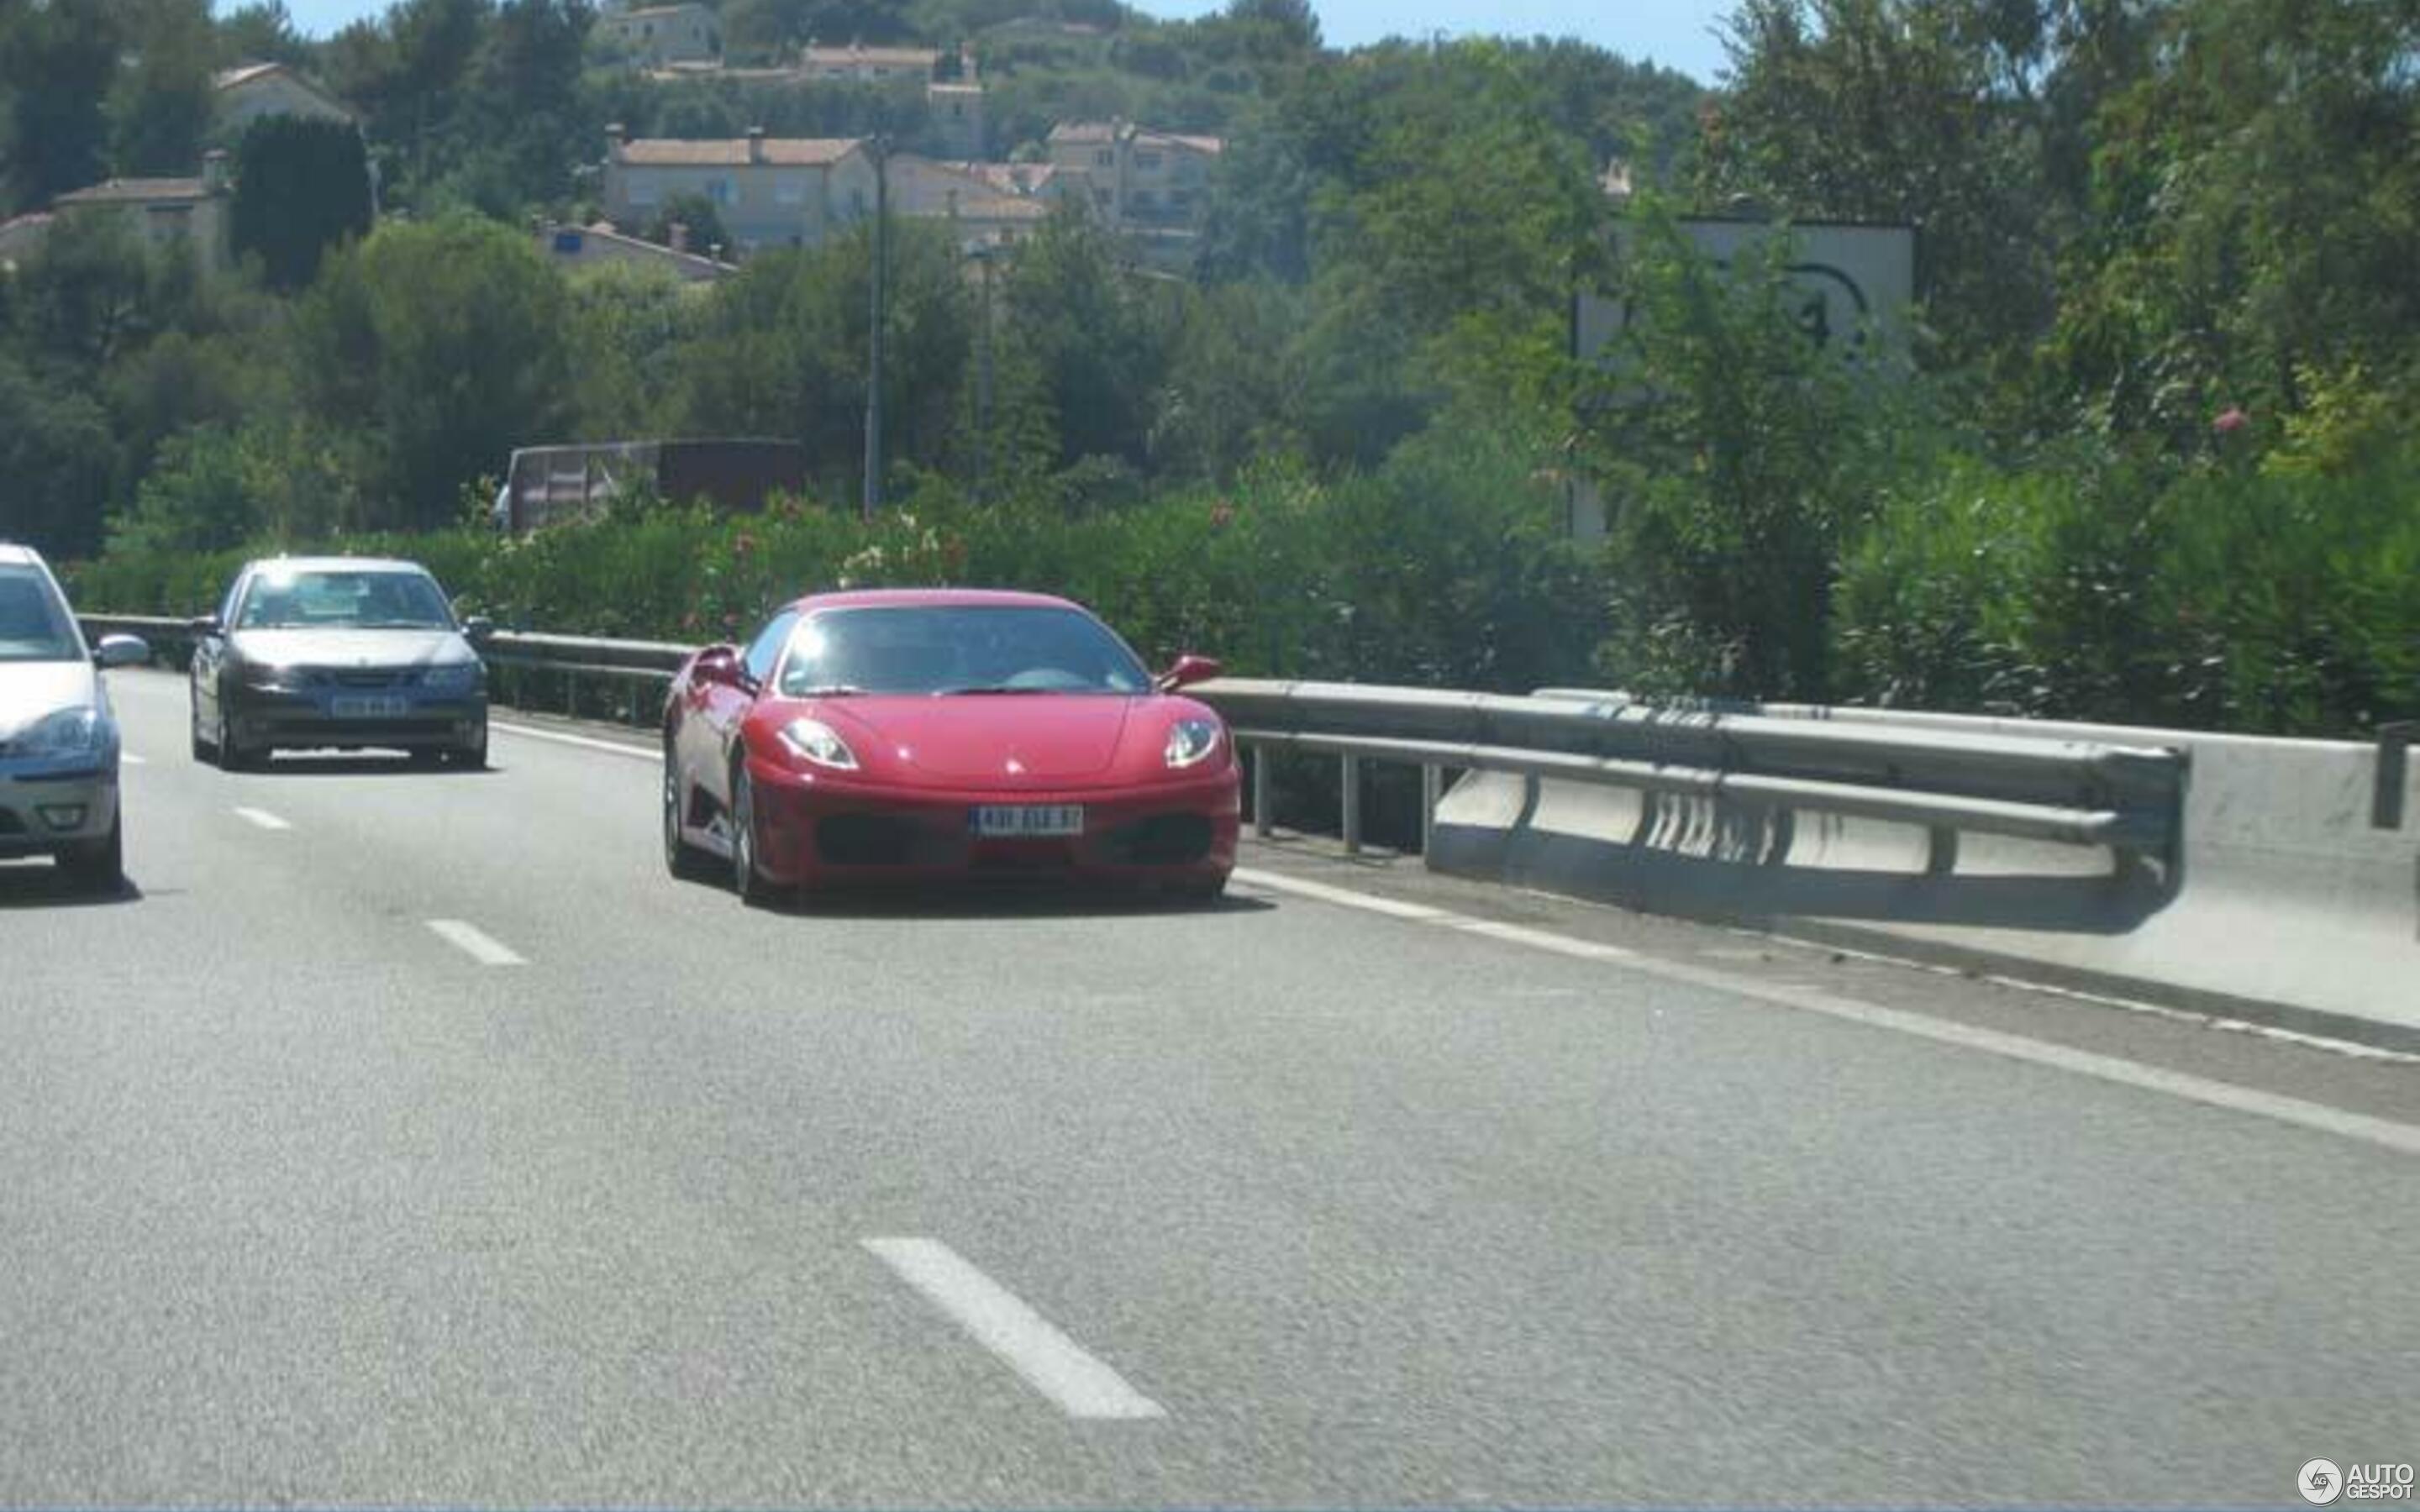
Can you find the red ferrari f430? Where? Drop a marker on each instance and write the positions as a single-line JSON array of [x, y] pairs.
[[930, 733]]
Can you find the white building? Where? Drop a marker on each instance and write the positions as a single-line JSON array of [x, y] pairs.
[[769, 191], [654, 36], [247, 93]]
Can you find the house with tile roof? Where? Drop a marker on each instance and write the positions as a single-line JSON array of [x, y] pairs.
[[246, 93], [655, 35], [165, 212], [770, 192]]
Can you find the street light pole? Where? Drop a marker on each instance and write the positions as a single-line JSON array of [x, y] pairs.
[[873, 499], [982, 381]]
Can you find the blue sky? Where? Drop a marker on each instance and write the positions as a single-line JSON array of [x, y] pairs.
[[1678, 34]]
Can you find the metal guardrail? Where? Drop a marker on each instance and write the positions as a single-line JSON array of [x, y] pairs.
[[2078, 793]]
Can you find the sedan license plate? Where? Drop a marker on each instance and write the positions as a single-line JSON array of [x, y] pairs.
[[366, 708], [1027, 821]]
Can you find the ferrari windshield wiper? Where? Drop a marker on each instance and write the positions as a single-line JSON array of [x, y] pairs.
[[823, 690], [990, 690]]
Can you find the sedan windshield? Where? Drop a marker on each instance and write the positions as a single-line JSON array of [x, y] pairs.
[[958, 649], [33, 624], [356, 599]]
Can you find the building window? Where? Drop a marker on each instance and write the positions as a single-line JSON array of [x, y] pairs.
[[1142, 201], [643, 192], [1104, 159], [718, 191], [1147, 161], [789, 192]]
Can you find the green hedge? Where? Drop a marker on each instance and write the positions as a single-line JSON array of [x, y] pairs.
[[2215, 595]]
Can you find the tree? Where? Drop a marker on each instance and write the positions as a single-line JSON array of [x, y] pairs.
[[302, 187], [160, 108], [58, 62], [434, 350], [781, 350], [56, 456], [701, 223], [1097, 333], [260, 32], [1909, 112]]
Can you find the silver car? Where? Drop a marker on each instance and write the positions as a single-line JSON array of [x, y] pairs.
[[59, 739], [338, 653]]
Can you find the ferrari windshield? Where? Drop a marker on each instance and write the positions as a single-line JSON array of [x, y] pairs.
[[958, 649], [33, 624], [378, 598]]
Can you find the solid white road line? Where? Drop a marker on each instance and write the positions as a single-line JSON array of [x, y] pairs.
[[263, 818], [2384, 1132], [1050, 1362], [475, 944], [644, 754], [1343, 897], [131, 759]]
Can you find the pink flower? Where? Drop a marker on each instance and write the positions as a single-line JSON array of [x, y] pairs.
[[1222, 515], [2229, 420], [742, 544]]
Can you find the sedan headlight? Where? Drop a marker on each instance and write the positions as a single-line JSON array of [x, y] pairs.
[[1190, 742], [268, 678], [451, 677], [812, 740], [77, 731]]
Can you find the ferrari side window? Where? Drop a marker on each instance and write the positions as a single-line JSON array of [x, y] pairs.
[[766, 648]]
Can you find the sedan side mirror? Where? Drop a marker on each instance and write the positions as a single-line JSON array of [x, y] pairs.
[[203, 624], [1189, 670], [121, 651], [478, 629]]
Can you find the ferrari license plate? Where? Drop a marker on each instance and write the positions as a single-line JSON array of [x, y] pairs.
[[1028, 821], [366, 708]]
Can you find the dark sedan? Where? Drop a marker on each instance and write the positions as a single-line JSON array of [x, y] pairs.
[[338, 652]]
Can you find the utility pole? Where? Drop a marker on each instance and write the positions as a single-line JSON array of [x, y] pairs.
[[881, 147], [983, 254]]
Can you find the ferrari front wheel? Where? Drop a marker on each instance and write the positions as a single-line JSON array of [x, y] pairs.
[[746, 879]]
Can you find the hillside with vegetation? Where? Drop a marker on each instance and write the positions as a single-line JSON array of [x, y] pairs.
[[2151, 455]]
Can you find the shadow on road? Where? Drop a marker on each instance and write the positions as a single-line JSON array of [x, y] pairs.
[[304, 763], [40, 884], [1023, 897]]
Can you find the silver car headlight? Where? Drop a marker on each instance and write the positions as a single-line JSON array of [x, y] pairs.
[[451, 677], [814, 741], [1191, 742], [77, 731], [268, 678]]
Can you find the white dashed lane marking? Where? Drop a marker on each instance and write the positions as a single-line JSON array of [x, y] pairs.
[[474, 943], [262, 818], [1025, 1341]]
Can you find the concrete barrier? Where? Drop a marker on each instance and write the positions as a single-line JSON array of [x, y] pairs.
[[2292, 899]]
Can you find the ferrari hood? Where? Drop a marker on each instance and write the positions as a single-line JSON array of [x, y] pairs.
[[966, 737]]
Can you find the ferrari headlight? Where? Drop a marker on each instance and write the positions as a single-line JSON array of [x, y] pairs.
[[451, 677], [812, 740], [77, 731], [1191, 742]]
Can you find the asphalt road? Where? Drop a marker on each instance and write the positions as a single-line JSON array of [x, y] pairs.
[[409, 1137]]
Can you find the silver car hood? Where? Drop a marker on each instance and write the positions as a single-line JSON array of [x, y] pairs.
[[349, 648], [30, 689]]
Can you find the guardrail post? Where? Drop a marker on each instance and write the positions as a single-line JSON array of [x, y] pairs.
[[1431, 787], [1262, 819], [1352, 805], [2387, 799]]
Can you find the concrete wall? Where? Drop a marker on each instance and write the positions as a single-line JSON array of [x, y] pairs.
[[2284, 903]]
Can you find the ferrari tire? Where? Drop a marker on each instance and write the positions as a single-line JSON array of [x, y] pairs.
[[684, 860], [747, 880]]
